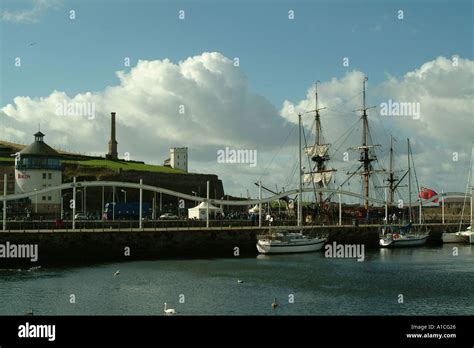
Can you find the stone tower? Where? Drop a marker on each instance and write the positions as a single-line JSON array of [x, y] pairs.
[[112, 155]]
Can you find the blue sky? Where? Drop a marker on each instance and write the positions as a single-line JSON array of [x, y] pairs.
[[278, 55]]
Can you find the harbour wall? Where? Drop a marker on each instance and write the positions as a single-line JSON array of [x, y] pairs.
[[88, 246]]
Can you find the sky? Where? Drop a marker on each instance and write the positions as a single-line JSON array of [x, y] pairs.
[[183, 86]]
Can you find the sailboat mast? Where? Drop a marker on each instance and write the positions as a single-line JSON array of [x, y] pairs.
[[391, 179], [300, 186], [472, 184], [472, 201], [409, 181]]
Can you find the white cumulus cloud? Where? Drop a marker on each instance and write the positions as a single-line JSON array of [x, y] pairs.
[[205, 103]]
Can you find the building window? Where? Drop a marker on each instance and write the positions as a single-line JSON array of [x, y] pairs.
[[43, 198], [49, 175], [44, 175], [49, 198]]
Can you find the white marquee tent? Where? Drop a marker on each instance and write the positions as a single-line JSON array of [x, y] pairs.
[[199, 211]]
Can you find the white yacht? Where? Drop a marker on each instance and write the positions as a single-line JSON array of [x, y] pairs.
[[395, 236], [401, 240], [452, 237], [466, 236], [459, 237], [289, 242]]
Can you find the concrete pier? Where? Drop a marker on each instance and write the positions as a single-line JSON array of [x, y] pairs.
[[92, 246]]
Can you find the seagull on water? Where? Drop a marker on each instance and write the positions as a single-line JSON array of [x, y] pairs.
[[275, 303], [116, 273]]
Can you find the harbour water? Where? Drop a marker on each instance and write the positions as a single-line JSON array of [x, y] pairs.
[[432, 281]]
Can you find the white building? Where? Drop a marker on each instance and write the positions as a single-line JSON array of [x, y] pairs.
[[179, 158], [37, 166]]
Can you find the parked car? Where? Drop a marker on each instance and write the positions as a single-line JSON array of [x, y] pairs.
[[169, 216], [80, 216]]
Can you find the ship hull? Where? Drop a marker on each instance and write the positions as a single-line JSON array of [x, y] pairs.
[[452, 238], [402, 242], [289, 248]]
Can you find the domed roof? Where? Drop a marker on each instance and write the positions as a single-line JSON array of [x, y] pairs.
[[39, 148]]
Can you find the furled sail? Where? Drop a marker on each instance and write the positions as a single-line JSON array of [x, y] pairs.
[[317, 177], [317, 150]]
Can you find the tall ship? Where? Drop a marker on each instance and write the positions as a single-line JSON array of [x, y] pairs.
[[284, 241], [377, 203]]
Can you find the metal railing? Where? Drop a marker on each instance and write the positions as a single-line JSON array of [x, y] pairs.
[[130, 225]]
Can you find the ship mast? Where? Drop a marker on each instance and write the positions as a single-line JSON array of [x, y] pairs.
[[393, 181], [365, 157], [319, 158]]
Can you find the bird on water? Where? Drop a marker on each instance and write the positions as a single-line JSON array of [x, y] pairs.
[[169, 310], [275, 303]]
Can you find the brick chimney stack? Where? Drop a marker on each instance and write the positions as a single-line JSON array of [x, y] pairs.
[[113, 155]]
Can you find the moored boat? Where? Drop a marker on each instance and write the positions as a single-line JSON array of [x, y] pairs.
[[403, 240], [401, 236], [289, 242], [466, 236], [452, 237]]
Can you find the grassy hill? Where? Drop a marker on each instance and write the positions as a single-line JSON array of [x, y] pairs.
[[125, 166], [112, 165]]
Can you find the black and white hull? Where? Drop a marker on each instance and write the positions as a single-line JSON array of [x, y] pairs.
[[403, 241], [290, 243]]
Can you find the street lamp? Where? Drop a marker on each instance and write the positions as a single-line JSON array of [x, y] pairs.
[[82, 199], [62, 204], [125, 193], [36, 202], [194, 192]]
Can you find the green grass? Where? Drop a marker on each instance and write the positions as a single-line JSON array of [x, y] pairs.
[[112, 165], [124, 166]]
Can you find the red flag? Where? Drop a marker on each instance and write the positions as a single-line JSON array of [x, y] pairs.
[[427, 193]]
